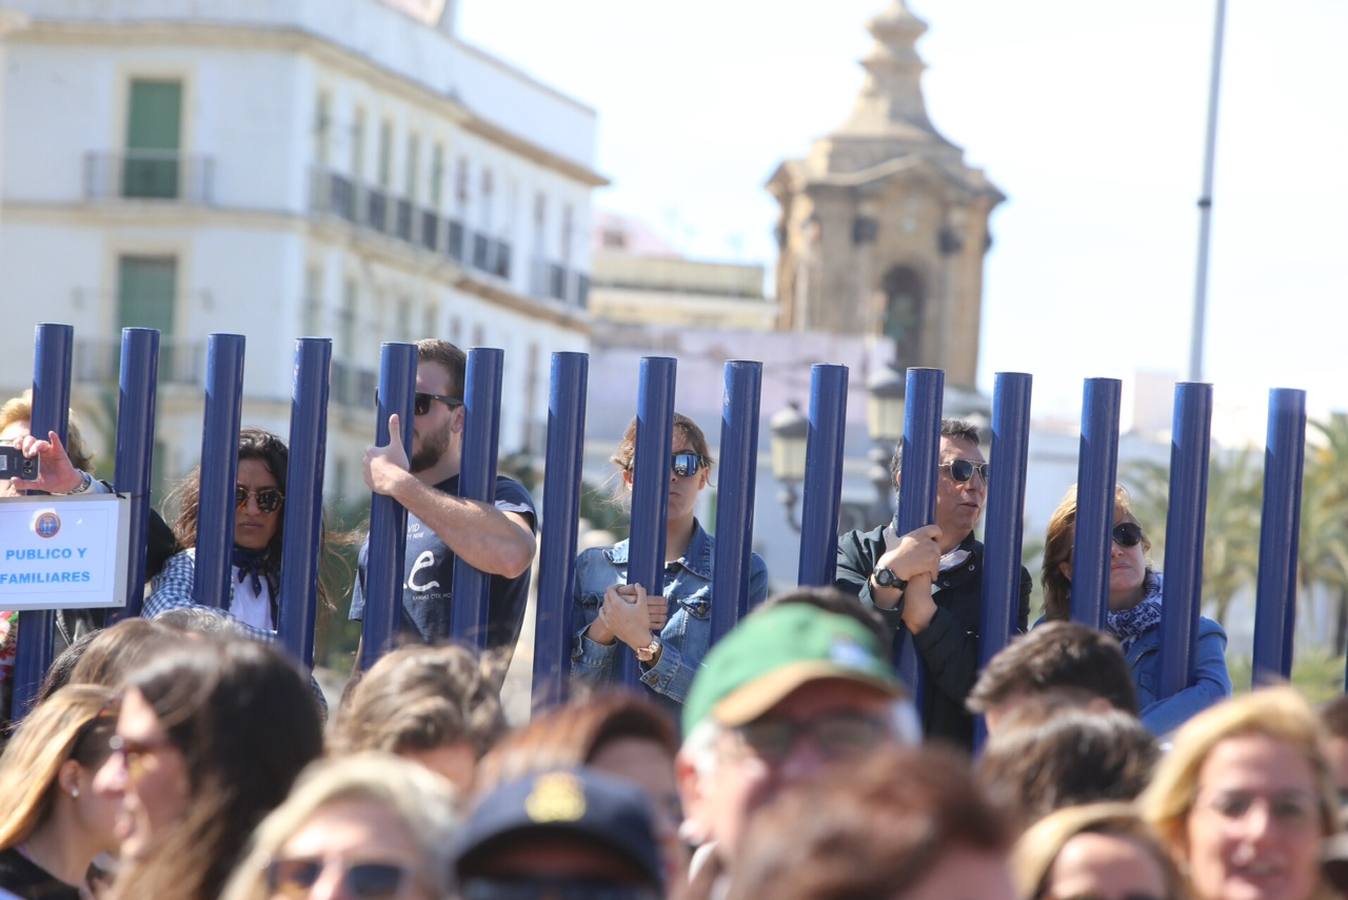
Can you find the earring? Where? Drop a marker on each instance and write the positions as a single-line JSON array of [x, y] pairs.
[[74, 792]]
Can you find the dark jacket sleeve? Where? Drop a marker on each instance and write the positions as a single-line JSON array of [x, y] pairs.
[[854, 567], [951, 654]]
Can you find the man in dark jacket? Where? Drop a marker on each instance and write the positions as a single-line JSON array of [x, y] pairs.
[[930, 581]]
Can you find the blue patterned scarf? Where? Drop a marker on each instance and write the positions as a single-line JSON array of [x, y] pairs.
[[1129, 624]]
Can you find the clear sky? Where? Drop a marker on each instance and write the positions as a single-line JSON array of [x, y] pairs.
[[1088, 115]]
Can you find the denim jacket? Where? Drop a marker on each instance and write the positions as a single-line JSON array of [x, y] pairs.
[[687, 634], [1208, 683]]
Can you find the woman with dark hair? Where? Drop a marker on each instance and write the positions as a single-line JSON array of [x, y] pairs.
[[208, 741], [1134, 615], [670, 633]]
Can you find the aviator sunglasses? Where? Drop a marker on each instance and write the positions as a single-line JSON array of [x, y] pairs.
[[361, 880], [1127, 534], [686, 463], [961, 470], [268, 499]]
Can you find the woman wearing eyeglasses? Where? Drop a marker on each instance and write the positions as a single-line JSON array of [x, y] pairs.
[[1134, 615], [52, 823], [670, 633]]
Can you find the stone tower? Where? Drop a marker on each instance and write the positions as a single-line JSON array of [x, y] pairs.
[[883, 226]]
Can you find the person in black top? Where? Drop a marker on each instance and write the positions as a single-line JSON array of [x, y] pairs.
[[496, 538], [930, 581]]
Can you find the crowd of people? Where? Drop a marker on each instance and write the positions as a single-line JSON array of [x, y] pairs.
[[182, 754]]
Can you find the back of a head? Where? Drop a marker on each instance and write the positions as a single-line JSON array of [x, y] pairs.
[[119, 651], [1072, 758], [1057, 655], [876, 830], [204, 620]]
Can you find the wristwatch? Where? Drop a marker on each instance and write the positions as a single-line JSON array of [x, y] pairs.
[[886, 578], [86, 481], [649, 652]]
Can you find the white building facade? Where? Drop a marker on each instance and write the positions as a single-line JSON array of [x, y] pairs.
[[279, 168]]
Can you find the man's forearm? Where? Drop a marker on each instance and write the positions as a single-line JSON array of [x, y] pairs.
[[478, 533]]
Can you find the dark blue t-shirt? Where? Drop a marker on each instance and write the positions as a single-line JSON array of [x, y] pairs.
[[428, 576]]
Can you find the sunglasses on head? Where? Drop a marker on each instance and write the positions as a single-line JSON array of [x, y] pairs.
[[421, 402], [961, 470], [687, 463], [268, 499], [362, 880], [1127, 534]]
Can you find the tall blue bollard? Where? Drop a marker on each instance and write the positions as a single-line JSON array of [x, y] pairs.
[[471, 608], [1279, 531], [823, 476], [388, 518], [302, 548], [650, 487], [1190, 437], [219, 470], [1009, 455], [735, 495], [561, 514], [1097, 475], [52, 351], [136, 394], [924, 396]]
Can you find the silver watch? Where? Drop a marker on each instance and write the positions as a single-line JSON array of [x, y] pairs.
[[86, 482]]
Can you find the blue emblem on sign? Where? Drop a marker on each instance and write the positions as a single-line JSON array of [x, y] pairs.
[[47, 524]]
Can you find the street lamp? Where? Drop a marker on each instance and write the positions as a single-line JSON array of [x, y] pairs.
[[790, 433]]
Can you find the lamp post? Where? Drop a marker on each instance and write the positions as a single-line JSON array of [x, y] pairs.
[[790, 432]]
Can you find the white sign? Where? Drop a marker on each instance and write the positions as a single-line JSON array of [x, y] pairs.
[[64, 552]]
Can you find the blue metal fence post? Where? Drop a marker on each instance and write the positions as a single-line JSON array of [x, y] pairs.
[[1002, 535], [471, 607], [388, 518], [1097, 476], [561, 515], [650, 487], [302, 548], [136, 397], [1279, 533], [924, 396], [735, 495], [52, 353], [823, 476], [219, 470], [1190, 437]]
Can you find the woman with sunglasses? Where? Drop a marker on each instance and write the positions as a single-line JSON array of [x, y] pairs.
[[1134, 615], [53, 824], [670, 633]]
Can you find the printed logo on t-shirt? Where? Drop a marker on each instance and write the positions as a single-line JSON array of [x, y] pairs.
[[425, 560]]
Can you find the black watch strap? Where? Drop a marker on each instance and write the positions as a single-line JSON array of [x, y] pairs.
[[886, 578]]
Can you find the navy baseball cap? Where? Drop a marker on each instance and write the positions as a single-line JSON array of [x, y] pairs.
[[580, 803]]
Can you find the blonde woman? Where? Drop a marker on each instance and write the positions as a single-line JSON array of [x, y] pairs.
[[1245, 799], [52, 823], [1102, 850], [369, 825]]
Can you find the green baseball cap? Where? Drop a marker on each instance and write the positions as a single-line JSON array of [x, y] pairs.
[[773, 652]]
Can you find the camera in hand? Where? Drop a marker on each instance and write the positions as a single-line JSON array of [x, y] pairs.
[[13, 464]]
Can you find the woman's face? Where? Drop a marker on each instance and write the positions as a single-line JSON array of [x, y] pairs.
[[683, 489], [1106, 867], [646, 764], [146, 776], [1254, 832], [96, 812], [1127, 568], [349, 848], [254, 528]]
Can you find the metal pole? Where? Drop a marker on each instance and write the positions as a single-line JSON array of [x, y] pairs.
[[823, 476], [650, 487], [1190, 432], [136, 399], [1097, 476], [219, 470], [561, 510], [1279, 531], [302, 547], [1010, 454], [470, 609], [388, 519], [735, 495], [52, 353], [1205, 202], [923, 400]]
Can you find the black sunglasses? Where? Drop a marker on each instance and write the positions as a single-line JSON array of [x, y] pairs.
[[268, 499], [686, 463], [421, 402], [363, 880], [961, 470], [1127, 534]]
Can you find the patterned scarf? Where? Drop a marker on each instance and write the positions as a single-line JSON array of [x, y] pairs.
[[256, 565], [1129, 624]]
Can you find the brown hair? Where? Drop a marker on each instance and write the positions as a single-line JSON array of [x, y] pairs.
[[20, 409], [1334, 716], [874, 830], [626, 453], [955, 429], [1058, 550], [1053, 656], [572, 735], [455, 361], [117, 652], [420, 698]]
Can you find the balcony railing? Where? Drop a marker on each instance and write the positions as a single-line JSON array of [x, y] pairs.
[[98, 360], [149, 175], [550, 279], [352, 385]]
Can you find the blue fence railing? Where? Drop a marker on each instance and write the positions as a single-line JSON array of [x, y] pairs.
[[1097, 472]]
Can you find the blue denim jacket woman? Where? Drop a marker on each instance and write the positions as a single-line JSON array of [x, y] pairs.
[[1134, 617], [674, 631]]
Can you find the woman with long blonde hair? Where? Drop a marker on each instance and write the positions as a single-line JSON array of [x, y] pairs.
[[53, 823]]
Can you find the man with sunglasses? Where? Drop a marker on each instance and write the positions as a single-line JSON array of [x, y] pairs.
[[496, 537], [930, 581]]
